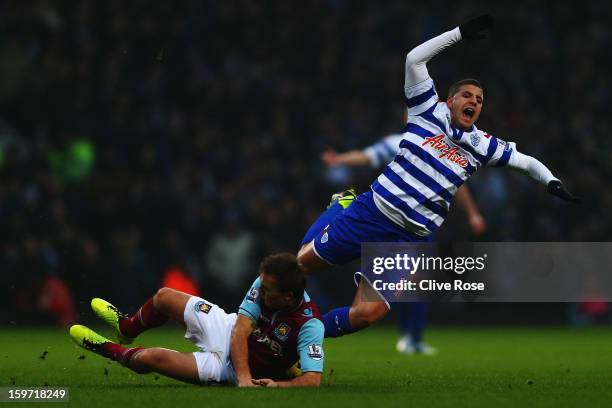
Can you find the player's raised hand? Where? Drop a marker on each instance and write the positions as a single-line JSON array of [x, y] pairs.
[[472, 29], [555, 187]]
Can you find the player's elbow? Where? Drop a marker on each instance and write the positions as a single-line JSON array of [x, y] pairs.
[[412, 60], [311, 379]]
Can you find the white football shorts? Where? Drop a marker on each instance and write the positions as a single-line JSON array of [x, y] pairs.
[[210, 329]]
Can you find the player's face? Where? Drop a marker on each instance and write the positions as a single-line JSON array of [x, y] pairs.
[[272, 297], [465, 106]]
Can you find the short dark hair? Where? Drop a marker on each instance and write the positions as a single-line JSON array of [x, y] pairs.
[[468, 81], [285, 268]]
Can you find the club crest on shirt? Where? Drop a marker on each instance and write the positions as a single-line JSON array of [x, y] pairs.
[[203, 307], [324, 238], [474, 139], [282, 331]]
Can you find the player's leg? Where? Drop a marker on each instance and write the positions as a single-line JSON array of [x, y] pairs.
[[171, 302], [308, 258], [171, 363], [180, 366], [417, 320], [165, 304], [404, 343], [368, 307], [309, 261]]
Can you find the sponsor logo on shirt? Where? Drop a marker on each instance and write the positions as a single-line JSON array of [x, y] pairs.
[[315, 351], [274, 346], [450, 153]]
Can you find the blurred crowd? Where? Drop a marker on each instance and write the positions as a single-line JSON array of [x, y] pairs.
[[140, 136]]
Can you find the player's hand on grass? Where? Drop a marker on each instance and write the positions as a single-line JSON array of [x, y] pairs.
[[265, 382], [557, 188], [473, 29], [246, 383]]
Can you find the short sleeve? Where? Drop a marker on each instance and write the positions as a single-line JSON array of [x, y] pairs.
[[310, 346], [383, 151], [250, 304]]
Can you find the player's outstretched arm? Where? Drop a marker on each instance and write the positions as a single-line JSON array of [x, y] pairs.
[[375, 155], [240, 351], [351, 158], [416, 60], [309, 379], [538, 171], [466, 201]]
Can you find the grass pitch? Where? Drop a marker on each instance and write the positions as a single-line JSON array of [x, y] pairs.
[[475, 367]]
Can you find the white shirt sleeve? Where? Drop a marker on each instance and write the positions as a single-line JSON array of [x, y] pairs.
[[531, 166], [383, 151], [505, 154], [416, 60]]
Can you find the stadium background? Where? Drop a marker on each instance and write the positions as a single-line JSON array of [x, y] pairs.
[[138, 136]]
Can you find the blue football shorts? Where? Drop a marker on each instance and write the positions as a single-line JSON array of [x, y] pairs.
[[362, 221]]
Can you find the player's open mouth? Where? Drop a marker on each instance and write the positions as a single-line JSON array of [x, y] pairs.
[[468, 113]]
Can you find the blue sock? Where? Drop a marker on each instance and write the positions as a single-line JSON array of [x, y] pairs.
[[323, 221], [417, 321], [337, 322]]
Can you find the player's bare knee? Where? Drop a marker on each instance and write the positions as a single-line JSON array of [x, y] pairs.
[[303, 250], [309, 261], [162, 297], [304, 262]]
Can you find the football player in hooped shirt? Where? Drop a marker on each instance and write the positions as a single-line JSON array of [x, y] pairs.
[[440, 149], [276, 327]]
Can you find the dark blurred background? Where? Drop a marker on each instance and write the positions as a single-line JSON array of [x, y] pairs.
[[140, 138]]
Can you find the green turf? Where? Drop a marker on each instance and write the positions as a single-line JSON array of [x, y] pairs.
[[476, 367]]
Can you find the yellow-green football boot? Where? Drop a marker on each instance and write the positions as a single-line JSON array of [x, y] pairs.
[[88, 339], [344, 198], [111, 315]]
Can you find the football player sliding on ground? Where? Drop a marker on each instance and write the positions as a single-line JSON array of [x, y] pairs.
[[441, 148], [276, 326]]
